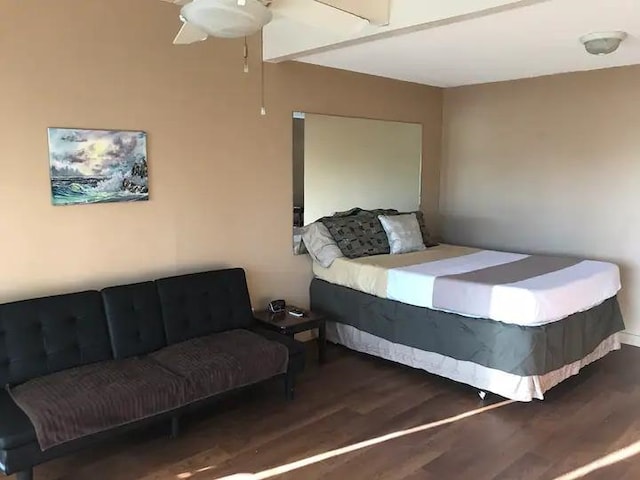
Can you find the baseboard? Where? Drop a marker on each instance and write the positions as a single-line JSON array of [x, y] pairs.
[[630, 339]]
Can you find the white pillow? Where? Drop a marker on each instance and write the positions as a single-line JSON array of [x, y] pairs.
[[403, 233], [320, 244]]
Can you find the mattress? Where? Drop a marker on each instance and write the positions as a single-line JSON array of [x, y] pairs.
[[527, 290]]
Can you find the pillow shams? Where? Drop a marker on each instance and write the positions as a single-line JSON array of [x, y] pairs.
[[320, 244], [403, 233], [359, 235]]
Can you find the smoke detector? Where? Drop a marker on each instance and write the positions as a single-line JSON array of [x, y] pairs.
[[602, 43]]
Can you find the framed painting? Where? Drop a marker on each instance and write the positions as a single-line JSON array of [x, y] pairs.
[[97, 166]]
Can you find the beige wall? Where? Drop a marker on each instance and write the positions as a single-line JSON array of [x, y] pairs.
[[220, 175], [548, 165], [357, 162]]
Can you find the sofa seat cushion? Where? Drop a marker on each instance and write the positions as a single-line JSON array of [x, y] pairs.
[[223, 361], [15, 427], [85, 400]]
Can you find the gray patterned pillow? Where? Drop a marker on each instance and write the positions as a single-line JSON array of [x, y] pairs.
[[348, 213], [429, 240], [358, 235], [357, 210]]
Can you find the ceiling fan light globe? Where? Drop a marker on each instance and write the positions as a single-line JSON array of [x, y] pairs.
[[225, 18]]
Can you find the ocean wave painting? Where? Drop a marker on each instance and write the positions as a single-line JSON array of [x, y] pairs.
[[97, 166]]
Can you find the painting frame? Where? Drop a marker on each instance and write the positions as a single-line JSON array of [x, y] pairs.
[[91, 166]]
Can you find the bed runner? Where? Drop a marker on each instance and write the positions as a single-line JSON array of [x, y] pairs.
[[526, 290], [472, 292]]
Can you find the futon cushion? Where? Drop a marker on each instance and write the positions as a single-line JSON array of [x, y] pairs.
[[81, 401], [204, 303], [46, 335], [223, 361], [134, 319], [15, 427]]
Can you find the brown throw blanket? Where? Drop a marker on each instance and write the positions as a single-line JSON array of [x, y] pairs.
[[81, 401], [73, 403], [223, 361]]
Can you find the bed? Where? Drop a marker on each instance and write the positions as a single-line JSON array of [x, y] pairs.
[[512, 324]]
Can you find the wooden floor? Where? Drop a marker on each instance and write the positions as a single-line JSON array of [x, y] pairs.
[[355, 397]]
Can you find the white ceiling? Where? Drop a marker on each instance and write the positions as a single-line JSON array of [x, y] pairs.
[[536, 38]]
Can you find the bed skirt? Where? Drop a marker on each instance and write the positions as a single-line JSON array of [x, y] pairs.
[[520, 350], [512, 386], [515, 361]]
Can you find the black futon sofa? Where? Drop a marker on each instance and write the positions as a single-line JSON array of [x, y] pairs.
[[87, 366]]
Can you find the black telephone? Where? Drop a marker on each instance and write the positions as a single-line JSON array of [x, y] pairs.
[[277, 306]]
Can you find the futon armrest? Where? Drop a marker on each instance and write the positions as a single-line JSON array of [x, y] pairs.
[[15, 428]]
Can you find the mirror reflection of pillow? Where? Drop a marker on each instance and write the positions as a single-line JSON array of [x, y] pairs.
[[403, 233], [320, 244]]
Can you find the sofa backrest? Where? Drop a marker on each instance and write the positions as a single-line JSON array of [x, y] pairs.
[[45, 335], [134, 319], [204, 303]]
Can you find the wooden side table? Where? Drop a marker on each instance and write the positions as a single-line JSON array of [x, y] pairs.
[[289, 325]]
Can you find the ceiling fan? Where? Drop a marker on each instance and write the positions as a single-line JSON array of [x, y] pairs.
[[240, 18]]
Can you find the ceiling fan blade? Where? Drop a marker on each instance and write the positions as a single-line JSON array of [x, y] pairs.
[[318, 15], [189, 34]]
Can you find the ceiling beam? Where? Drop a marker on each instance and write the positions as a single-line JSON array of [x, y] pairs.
[[376, 11], [406, 16]]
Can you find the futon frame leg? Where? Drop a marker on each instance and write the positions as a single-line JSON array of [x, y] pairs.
[[289, 386], [25, 474], [175, 427]]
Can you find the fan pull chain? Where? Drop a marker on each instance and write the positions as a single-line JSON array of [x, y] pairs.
[[246, 56], [263, 109]]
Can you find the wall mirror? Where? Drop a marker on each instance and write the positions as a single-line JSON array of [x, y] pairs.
[[343, 162]]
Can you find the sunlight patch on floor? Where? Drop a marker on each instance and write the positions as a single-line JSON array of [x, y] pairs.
[[607, 460], [185, 475], [282, 469]]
